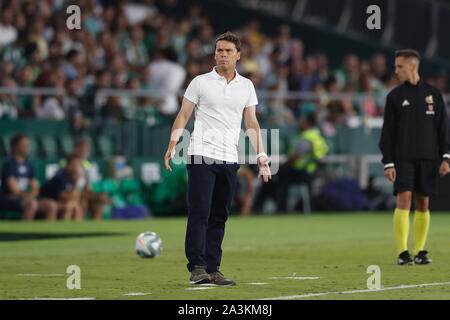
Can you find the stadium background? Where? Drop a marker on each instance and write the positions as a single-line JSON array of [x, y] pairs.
[[107, 82], [98, 82]]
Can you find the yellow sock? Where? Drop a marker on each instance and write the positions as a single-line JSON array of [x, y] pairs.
[[421, 226], [401, 229]]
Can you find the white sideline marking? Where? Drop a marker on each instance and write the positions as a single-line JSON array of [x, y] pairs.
[[296, 278], [258, 283], [136, 294], [208, 285], [56, 298], [40, 275], [200, 288], [358, 291]]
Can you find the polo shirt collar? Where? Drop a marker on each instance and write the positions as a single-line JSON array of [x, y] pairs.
[[217, 76]]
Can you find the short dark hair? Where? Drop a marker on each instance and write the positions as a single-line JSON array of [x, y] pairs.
[[407, 53], [81, 140], [230, 37], [15, 140], [311, 118]]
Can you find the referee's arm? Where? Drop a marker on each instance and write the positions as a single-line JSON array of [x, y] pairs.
[[443, 143], [388, 138], [443, 129]]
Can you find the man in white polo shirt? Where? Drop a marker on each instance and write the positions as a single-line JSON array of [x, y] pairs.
[[219, 99]]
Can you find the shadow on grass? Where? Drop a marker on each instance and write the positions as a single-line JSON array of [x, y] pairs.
[[20, 236]]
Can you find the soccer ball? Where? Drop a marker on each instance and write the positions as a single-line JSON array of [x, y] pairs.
[[148, 245]]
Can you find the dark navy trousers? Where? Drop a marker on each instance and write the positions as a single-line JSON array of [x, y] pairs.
[[210, 193]]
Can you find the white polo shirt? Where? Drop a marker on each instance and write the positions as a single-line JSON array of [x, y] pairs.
[[218, 114]]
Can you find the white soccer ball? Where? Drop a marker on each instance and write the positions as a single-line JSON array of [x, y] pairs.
[[148, 245]]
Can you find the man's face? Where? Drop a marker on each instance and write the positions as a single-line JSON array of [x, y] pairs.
[[226, 55], [404, 68], [23, 147], [74, 168], [83, 150]]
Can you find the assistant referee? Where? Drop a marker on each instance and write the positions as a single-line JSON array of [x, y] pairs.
[[415, 147]]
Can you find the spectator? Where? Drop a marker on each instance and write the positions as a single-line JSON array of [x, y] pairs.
[[112, 111], [348, 74], [64, 189], [36, 49], [8, 33], [72, 106], [20, 188], [92, 101], [306, 150], [91, 202], [72, 64], [8, 102], [51, 109], [167, 76], [245, 190]]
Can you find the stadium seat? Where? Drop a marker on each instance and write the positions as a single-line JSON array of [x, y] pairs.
[[66, 144], [104, 146], [34, 150], [118, 201], [135, 199], [97, 186], [129, 185], [110, 186], [49, 147]]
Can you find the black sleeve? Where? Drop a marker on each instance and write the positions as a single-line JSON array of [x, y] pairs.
[[443, 142], [388, 132]]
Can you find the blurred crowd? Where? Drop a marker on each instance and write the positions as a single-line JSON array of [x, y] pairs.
[[158, 47], [66, 195]]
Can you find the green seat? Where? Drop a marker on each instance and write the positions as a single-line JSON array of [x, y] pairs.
[[4, 145], [129, 185], [104, 146], [49, 146], [110, 186], [66, 144], [33, 147], [135, 199], [118, 201], [97, 187]]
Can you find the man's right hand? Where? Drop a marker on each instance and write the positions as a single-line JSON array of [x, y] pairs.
[[169, 155], [391, 174]]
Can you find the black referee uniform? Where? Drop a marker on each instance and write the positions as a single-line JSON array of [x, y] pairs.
[[414, 137]]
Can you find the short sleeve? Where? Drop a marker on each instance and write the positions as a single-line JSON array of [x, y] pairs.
[[252, 99], [193, 91]]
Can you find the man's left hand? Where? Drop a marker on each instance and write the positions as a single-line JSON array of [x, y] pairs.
[[444, 169], [264, 170]]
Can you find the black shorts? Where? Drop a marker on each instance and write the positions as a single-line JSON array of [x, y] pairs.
[[417, 176], [10, 204]]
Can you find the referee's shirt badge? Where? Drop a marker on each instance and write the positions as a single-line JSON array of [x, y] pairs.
[[429, 99], [430, 110]]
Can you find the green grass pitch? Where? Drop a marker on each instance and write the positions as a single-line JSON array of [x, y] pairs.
[[337, 248]]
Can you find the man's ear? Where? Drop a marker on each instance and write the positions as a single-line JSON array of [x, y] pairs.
[[239, 55]]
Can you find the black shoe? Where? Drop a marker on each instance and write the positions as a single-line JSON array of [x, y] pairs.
[[404, 258], [199, 275], [422, 258], [219, 279]]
